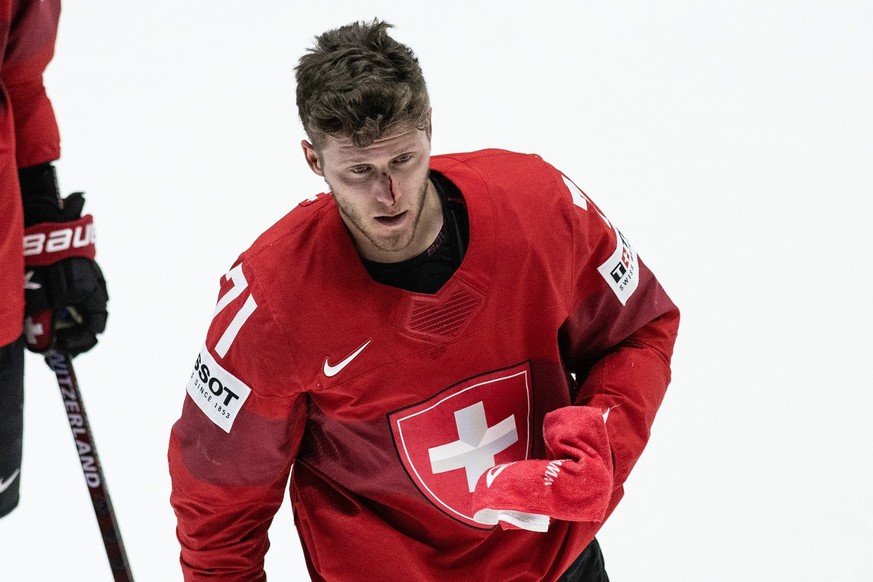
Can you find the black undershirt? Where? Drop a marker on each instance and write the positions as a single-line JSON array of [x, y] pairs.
[[428, 271]]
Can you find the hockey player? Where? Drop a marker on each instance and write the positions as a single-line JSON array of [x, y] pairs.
[[460, 356], [56, 273]]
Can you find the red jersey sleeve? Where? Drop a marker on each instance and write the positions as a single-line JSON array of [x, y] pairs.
[[232, 449], [618, 340], [29, 48]]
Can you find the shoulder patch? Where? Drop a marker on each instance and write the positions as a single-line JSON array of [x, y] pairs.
[[218, 393], [621, 271]]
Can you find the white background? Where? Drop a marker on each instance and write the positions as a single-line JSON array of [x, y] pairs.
[[731, 141]]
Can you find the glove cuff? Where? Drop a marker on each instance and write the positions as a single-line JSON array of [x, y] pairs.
[[39, 181], [39, 194], [49, 242]]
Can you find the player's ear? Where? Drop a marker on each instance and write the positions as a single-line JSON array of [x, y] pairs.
[[429, 129], [313, 160]]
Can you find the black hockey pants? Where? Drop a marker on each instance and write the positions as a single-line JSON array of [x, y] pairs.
[[588, 567], [11, 422]]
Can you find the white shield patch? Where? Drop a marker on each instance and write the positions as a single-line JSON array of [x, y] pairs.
[[449, 441]]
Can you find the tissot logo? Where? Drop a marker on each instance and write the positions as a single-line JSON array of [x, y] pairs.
[[218, 393], [450, 441], [214, 383]]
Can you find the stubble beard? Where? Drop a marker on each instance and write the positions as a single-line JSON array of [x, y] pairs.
[[394, 243]]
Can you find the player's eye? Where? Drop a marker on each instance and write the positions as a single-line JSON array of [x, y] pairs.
[[402, 159], [359, 170]]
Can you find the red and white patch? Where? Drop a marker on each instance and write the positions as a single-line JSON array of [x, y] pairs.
[[621, 270], [449, 441], [38, 330]]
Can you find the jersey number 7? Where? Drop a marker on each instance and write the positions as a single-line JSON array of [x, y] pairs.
[[240, 284]]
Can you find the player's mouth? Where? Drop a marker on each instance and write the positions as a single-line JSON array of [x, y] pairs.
[[393, 220]]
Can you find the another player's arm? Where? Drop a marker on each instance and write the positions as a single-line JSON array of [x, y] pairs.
[[36, 131], [232, 449]]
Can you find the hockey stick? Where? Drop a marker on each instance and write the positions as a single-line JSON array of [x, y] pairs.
[[62, 365]]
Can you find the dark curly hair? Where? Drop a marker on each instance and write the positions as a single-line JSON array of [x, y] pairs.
[[360, 83]]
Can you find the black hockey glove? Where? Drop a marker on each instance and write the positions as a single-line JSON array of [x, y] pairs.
[[65, 293]]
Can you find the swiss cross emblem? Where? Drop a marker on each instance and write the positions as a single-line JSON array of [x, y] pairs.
[[447, 442]]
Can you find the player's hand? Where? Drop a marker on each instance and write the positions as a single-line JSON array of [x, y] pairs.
[[65, 292], [576, 485]]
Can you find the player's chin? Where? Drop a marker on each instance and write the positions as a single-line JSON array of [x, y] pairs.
[[391, 242]]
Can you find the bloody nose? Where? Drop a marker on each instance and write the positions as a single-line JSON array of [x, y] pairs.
[[390, 189]]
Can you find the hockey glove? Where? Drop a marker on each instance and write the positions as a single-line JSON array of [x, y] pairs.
[[575, 486], [65, 293]]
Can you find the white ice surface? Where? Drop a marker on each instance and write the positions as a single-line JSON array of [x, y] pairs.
[[732, 142]]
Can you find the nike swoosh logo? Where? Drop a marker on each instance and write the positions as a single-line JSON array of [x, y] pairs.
[[493, 472], [331, 371], [4, 485]]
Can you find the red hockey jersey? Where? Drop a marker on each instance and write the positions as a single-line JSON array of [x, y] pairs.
[[28, 136], [392, 405]]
